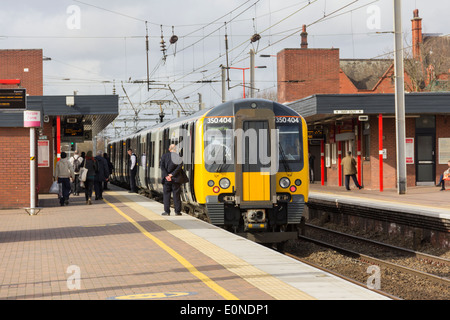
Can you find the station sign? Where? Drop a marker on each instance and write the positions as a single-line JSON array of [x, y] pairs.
[[315, 134], [73, 132], [31, 119], [348, 111], [14, 99]]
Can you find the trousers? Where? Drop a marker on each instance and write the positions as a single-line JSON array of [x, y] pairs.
[[347, 181], [133, 180], [168, 189], [65, 189]]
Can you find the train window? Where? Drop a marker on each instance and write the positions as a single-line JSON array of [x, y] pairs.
[[219, 147], [290, 151]]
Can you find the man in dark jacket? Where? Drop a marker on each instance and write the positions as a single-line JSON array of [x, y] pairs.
[[133, 170], [100, 176], [171, 166]]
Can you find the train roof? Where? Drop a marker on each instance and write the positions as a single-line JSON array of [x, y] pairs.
[[225, 109]]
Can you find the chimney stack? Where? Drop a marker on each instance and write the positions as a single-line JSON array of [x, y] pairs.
[[416, 34], [304, 35]]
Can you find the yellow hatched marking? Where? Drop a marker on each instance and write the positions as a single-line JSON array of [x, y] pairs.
[[205, 279], [256, 277]]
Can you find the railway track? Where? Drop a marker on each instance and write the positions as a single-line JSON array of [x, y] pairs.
[[400, 272]]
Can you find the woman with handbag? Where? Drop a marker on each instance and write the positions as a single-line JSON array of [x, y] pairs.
[[92, 167]]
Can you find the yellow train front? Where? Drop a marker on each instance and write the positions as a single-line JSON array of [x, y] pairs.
[[246, 160], [251, 169]]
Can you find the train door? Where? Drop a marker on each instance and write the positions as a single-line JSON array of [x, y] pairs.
[[148, 151], [255, 185]]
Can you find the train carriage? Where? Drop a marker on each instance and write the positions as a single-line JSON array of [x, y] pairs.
[[246, 160]]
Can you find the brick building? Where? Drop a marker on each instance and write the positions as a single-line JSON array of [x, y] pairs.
[[342, 101], [91, 114]]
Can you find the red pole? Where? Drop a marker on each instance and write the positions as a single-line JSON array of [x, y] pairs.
[[380, 148], [322, 162], [58, 138], [359, 152], [243, 80]]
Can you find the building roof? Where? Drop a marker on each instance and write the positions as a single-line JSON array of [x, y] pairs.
[[321, 106], [365, 73], [96, 111]]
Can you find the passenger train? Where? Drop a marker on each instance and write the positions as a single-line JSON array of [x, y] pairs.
[[246, 161]]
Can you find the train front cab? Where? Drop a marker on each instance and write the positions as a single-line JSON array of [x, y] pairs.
[[246, 195]]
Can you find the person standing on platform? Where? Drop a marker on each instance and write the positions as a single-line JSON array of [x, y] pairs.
[[76, 162], [311, 159], [171, 166], [349, 164], [64, 172], [101, 175], [91, 164], [133, 170], [111, 169]]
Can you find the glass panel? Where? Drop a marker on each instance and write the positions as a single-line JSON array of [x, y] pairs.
[[425, 122], [425, 148]]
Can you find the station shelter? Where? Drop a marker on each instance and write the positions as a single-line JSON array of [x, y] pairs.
[[62, 119], [365, 125], [56, 122]]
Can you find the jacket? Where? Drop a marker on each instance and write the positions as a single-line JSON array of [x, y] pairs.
[[170, 163], [92, 166], [64, 169], [103, 169], [349, 164]]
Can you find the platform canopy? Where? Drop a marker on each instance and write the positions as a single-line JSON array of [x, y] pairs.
[[95, 112]]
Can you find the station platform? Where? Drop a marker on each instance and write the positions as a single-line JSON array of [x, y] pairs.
[[426, 201], [121, 248]]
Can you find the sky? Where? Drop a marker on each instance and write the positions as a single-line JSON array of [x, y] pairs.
[[98, 46]]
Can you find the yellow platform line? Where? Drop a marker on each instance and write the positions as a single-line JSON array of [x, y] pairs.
[[205, 279], [256, 277]]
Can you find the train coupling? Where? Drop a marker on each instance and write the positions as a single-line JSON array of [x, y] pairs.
[[255, 219]]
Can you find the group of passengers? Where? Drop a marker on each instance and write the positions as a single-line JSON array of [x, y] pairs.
[[68, 175]]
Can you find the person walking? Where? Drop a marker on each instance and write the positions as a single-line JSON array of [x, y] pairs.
[[101, 175], [133, 170], [171, 166], [349, 164], [64, 172], [91, 164], [76, 161]]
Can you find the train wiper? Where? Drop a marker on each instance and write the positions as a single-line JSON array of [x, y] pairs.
[[283, 159]]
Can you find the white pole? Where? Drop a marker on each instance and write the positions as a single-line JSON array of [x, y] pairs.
[[32, 171], [399, 99]]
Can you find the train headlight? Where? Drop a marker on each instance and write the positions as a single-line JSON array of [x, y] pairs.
[[210, 183], [298, 182], [224, 183], [285, 182]]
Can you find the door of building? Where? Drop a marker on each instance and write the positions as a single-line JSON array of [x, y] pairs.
[[425, 150], [425, 167]]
